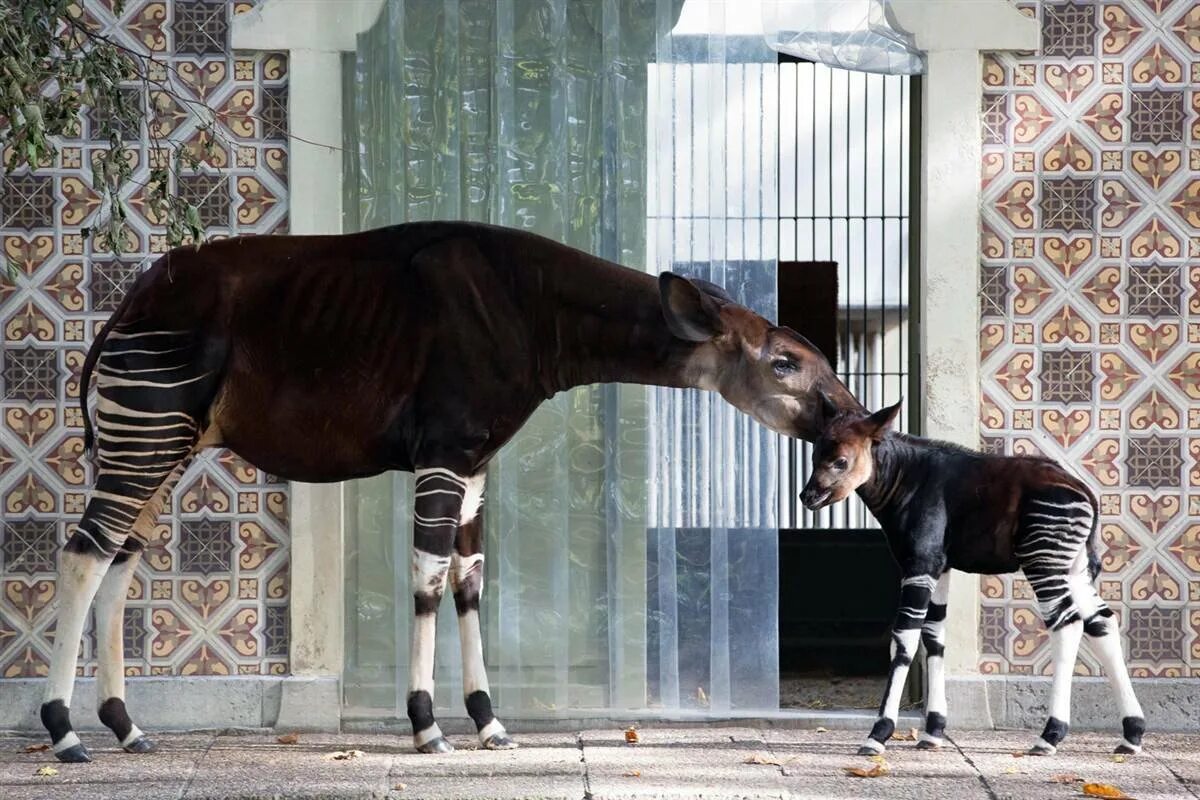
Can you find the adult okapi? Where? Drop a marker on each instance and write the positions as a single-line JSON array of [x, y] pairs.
[[421, 347]]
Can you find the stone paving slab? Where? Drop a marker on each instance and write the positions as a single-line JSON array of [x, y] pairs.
[[705, 763], [715, 763], [1086, 755], [113, 773], [546, 765]]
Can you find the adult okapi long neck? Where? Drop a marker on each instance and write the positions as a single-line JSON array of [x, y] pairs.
[[420, 347]]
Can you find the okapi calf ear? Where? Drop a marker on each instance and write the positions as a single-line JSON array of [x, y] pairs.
[[882, 420], [691, 313]]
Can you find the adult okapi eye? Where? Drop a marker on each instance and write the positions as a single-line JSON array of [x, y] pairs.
[[783, 367]]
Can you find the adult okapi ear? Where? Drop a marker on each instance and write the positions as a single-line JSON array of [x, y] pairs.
[[882, 419], [691, 313]]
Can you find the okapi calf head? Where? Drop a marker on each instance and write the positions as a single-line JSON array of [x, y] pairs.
[[841, 457], [767, 371]]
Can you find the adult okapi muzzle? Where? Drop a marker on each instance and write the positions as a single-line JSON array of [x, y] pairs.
[[421, 347]]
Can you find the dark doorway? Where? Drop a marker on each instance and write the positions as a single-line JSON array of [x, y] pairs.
[[846, 240]]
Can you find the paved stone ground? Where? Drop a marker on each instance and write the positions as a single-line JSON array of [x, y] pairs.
[[712, 762]]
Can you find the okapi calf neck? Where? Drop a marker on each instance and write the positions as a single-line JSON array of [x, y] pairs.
[[944, 507], [421, 347]]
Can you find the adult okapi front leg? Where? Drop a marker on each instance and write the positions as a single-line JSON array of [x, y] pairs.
[[466, 578], [437, 511]]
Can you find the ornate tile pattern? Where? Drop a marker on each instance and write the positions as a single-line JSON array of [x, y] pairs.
[[1090, 307], [211, 594]]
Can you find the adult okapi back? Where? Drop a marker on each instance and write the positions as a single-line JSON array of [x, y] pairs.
[[420, 347]]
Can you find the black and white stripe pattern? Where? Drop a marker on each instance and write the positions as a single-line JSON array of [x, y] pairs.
[[1054, 530], [148, 384]]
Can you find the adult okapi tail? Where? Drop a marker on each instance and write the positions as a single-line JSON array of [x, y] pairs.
[[89, 363]]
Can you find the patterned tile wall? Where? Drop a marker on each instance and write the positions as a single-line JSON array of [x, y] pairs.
[[1091, 307], [211, 594]]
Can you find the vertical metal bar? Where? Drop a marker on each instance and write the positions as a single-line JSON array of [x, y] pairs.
[[916, 406]]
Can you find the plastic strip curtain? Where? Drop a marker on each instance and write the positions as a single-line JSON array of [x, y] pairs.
[[537, 114], [860, 35]]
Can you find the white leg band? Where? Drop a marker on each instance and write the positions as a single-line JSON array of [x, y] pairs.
[[66, 743], [134, 734], [427, 735], [873, 746], [491, 729]]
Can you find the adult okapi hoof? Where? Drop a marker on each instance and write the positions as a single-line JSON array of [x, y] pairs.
[[1042, 749], [500, 741], [871, 748], [438, 745], [1126, 749], [75, 754], [140, 745]]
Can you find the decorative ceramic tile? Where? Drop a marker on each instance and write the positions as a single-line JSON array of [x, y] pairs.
[[1090, 308], [211, 593]]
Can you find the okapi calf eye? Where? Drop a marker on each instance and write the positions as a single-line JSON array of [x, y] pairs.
[[841, 464]]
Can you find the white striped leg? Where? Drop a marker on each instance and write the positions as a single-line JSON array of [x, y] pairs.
[[1064, 646], [915, 592], [437, 509], [933, 637], [467, 576], [79, 578], [110, 641], [1105, 640]]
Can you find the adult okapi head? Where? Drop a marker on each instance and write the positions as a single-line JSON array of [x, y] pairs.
[[841, 458], [768, 371]]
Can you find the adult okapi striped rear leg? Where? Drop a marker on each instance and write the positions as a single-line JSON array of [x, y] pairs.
[[154, 387], [447, 542]]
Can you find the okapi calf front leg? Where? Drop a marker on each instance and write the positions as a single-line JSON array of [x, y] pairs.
[[915, 593]]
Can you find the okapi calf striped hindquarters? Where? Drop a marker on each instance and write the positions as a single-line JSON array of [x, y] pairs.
[[943, 507], [421, 348]]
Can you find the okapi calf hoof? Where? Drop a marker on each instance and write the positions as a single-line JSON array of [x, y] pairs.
[[75, 754], [139, 745], [1052, 736], [1133, 729], [935, 729], [881, 731]]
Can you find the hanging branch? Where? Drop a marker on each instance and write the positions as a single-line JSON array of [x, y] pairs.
[[52, 68]]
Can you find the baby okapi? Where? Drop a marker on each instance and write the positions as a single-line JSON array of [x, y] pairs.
[[421, 347], [943, 507]]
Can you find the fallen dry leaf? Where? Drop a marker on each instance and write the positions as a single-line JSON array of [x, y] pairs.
[[1102, 790], [399, 787], [290, 738], [701, 697], [900, 736], [878, 758], [822, 730], [1117, 757], [345, 755], [1019, 755], [877, 770], [631, 736], [632, 773], [1065, 777], [36, 748], [759, 758], [46, 772]]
